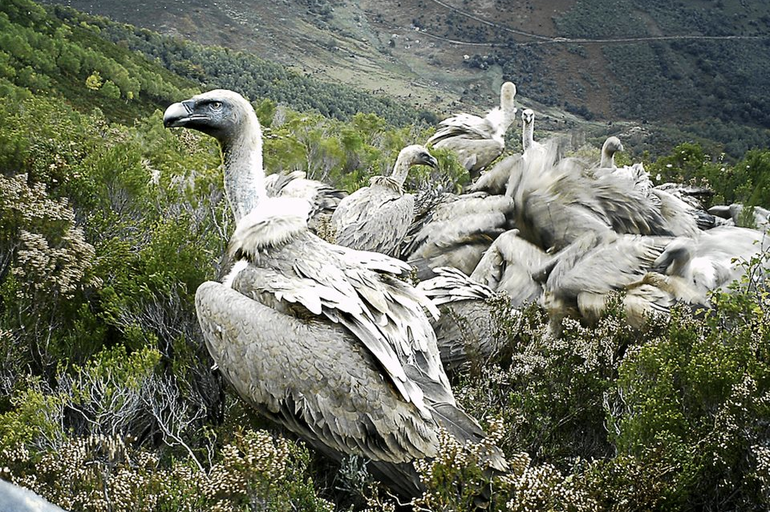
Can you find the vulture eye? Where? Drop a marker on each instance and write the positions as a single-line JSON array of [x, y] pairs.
[[216, 105]]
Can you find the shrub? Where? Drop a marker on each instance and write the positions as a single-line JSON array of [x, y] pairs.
[[459, 479], [697, 402]]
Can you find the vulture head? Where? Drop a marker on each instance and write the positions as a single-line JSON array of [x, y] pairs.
[[228, 117], [507, 94], [611, 146], [418, 155], [219, 113], [527, 116], [407, 157]]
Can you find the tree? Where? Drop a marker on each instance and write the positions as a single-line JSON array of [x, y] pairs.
[[94, 81], [69, 60], [111, 90]]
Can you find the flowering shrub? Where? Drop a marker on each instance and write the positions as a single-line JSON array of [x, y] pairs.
[[104, 473], [460, 479]]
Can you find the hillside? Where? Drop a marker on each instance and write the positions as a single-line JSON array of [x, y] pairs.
[[608, 60], [46, 55]]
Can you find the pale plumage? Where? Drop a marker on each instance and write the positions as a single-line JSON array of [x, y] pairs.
[[510, 265], [528, 130], [586, 272], [495, 180], [715, 258], [694, 199], [323, 198], [680, 217], [466, 331], [694, 196], [454, 230], [471, 306], [478, 141], [321, 339], [635, 174], [377, 217], [557, 200], [611, 146]]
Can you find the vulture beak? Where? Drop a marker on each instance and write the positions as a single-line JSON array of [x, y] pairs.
[[178, 114], [428, 159]]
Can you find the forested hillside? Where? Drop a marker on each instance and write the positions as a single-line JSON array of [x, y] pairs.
[[698, 65], [109, 222]]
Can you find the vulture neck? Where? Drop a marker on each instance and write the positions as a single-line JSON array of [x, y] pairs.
[[608, 158], [508, 108], [527, 135], [400, 170], [509, 116], [244, 174]]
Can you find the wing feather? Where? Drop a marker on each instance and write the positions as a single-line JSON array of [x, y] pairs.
[[309, 376], [385, 314], [467, 125]]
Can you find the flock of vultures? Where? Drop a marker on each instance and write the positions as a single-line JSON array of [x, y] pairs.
[[314, 319]]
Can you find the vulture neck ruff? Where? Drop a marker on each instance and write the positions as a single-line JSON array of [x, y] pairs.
[[277, 221]]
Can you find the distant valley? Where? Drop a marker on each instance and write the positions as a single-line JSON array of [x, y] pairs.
[[703, 65]]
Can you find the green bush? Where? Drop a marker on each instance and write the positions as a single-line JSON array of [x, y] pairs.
[[697, 401]]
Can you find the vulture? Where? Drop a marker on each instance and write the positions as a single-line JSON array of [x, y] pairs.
[[323, 198], [690, 200], [636, 176], [452, 230], [693, 195], [377, 217], [496, 179], [680, 217], [611, 146], [580, 279], [558, 200], [715, 258], [506, 279], [478, 141], [466, 330], [324, 341], [511, 265], [528, 129]]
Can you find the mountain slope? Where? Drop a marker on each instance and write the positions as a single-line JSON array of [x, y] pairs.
[[683, 62]]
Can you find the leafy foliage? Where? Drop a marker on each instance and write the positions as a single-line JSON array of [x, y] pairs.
[[745, 182], [697, 401], [251, 76], [43, 54]]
